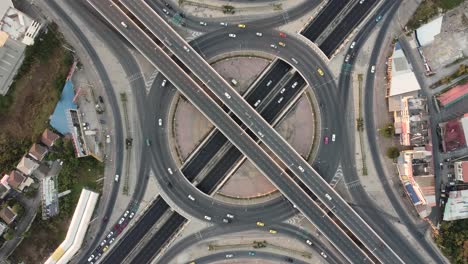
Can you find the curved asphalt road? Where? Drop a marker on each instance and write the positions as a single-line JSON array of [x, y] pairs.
[[209, 45], [285, 229], [263, 21], [381, 224]]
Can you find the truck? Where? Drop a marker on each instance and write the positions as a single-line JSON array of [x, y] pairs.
[[90, 132]]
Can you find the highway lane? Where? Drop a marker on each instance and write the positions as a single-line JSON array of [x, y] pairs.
[[346, 26], [275, 19], [383, 225], [263, 130], [236, 255], [232, 130], [216, 231], [323, 19], [112, 100], [184, 187]]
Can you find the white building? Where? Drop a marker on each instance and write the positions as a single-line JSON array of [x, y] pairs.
[[17, 31]]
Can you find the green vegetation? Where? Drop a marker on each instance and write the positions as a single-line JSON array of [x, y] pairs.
[[359, 124], [462, 70], [75, 174], [393, 152], [387, 131], [453, 240], [45, 235], [227, 9], [35, 91], [429, 9]]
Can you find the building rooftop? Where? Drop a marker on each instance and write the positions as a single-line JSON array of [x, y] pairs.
[[48, 137], [456, 206], [402, 79], [453, 135], [37, 151], [453, 95], [19, 26], [7, 215], [11, 56], [27, 165], [427, 32], [15, 179]]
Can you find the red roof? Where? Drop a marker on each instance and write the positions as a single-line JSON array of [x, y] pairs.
[[48, 138], [465, 171], [454, 94]]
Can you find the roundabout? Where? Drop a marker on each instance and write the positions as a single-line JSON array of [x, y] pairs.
[[176, 187]]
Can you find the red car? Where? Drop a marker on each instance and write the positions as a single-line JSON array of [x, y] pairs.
[[282, 35], [325, 140]]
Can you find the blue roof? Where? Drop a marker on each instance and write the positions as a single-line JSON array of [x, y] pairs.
[[59, 120], [397, 45], [412, 193]]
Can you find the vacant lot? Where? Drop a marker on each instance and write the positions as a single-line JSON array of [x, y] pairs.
[[429, 9], [25, 111]]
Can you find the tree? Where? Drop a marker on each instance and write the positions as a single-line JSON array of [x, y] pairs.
[[393, 152], [388, 130]]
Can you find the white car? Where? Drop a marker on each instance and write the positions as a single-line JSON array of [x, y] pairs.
[[164, 83], [280, 100], [169, 170], [323, 254], [229, 255], [165, 11], [132, 214], [260, 134], [282, 90], [203, 23], [160, 122], [352, 45], [123, 24], [269, 83], [90, 258], [372, 69], [126, 213], [348, 56], [361, 2], [294, 60], [301, 169], [294, 85], [259, 34], [230, 216], [186, 49], [208, 218], [111, 241], [309, 242], [333, 137], [116, 178], [191, 197], [257, 103], [273, 46], [110, 234], [328, 196], [121, 220], [108, 140], [232, 35], [227, 95], [223, 24]]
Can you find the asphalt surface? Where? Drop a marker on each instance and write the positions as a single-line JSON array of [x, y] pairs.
[[230, 129], [346, 26], [323, 19], [284, 229], [262, 21], [112, 101], [381, 224], [269, 137], [237, 255]]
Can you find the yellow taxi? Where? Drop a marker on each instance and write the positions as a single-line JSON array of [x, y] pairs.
[[260, 224], [241, 25], [273, 231], [320, 71], [281, 44]]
